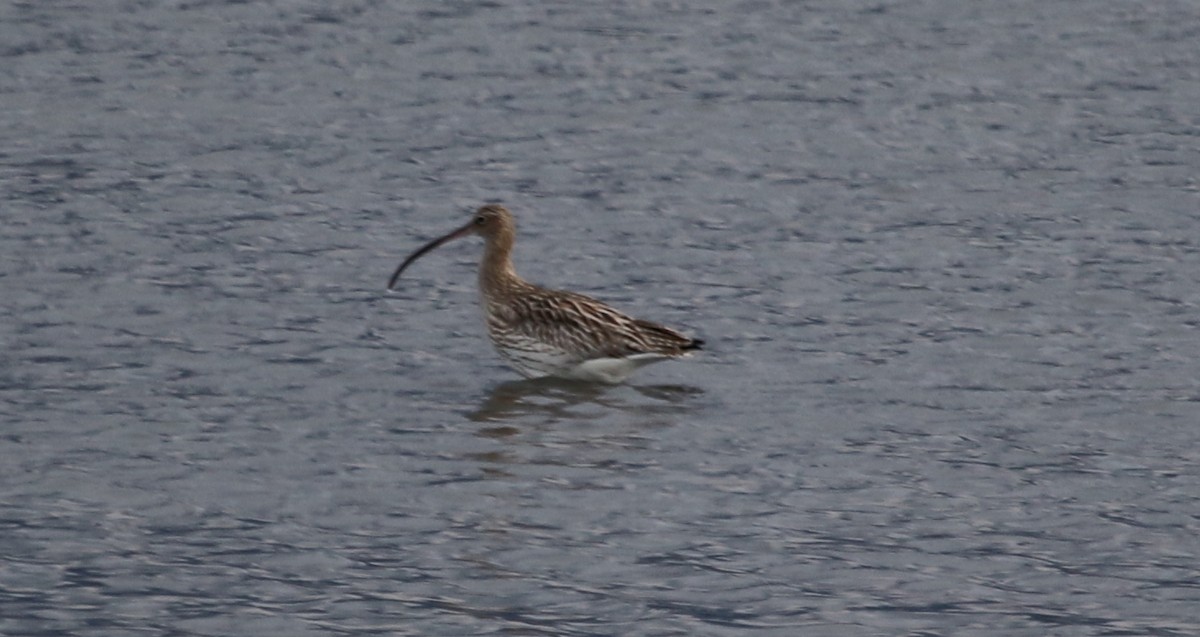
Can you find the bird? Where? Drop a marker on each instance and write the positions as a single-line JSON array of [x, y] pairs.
[[541, 332]]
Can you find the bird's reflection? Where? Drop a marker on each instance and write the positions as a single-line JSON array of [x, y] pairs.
[[551, 399], [550, 423]]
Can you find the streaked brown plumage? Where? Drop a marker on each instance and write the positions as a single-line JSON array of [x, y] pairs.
[[543, 332]]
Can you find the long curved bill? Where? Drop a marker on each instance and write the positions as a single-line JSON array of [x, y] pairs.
[[457, 234]]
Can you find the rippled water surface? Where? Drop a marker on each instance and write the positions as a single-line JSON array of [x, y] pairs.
[[946, 257]]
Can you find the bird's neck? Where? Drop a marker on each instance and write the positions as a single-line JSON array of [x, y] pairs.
[[497, 277]]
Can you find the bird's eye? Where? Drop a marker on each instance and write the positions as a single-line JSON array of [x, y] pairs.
[[479, 221]]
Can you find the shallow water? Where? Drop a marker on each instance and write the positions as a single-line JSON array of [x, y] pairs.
[[944, 255]]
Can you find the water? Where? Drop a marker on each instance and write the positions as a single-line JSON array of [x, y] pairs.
[[945, 256]]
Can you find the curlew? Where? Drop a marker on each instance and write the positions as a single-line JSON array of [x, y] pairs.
[[542, 332]]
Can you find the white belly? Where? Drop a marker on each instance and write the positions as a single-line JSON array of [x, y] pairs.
[[534, 359]]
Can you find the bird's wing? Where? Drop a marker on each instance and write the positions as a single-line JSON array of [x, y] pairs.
[[577, 323]]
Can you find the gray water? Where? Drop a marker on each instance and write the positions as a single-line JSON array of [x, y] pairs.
[[946, 256]]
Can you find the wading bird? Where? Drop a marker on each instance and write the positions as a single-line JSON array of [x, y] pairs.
[[542, 332]]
